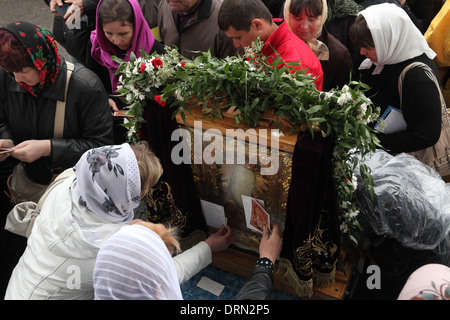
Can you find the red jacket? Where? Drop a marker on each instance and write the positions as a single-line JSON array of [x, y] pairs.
[[293, 49]]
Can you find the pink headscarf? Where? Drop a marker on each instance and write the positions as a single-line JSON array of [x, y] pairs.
[[103, 49], [429, 282]]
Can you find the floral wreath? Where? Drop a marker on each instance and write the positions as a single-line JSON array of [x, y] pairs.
[[253, 86]]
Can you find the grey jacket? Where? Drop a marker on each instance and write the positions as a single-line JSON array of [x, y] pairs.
[[259, 285], [200, 33]]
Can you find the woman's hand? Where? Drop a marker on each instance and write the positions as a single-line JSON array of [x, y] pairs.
[[6, 143], [31, 150], [112, 105], [221, 239]]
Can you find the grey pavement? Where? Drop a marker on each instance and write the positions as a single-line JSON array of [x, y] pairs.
[[35, 11]]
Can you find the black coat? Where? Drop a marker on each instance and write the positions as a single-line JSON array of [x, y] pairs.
[[88, 121], [421, 104]]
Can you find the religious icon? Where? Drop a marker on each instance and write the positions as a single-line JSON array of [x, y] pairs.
[[259, 217]]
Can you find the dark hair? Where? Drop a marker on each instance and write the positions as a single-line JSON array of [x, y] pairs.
[[313, 8], [360, 33], [115, 10], [239, 14], [13, 55]]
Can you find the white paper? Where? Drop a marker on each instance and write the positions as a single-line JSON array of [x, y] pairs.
[[391, 121], [214, 214], [210, 285]]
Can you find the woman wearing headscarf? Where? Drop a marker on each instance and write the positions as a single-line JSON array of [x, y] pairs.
[[135, 264], [32, 79], [77, 216], [122, 30], [306, 18], [390, 41]]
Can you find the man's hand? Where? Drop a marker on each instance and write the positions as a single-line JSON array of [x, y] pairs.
[[70, 10], [271, 243], [31, 150]]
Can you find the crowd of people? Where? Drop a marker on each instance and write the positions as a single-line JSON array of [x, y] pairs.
[[88, 220]]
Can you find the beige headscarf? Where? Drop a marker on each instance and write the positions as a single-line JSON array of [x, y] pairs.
[[318, 47]]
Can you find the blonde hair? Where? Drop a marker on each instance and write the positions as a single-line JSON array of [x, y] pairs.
[[150, 168], [169, 235]]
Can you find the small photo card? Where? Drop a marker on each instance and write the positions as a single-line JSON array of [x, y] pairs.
[[256, 216]]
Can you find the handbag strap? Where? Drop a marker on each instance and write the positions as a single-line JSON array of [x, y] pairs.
[[61, 106], [60, 178], [431, 75]]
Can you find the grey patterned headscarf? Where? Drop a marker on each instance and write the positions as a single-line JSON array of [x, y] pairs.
[[108, 182]]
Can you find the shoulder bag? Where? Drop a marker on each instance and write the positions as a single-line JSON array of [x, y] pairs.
[[20, 219], [437, 156]]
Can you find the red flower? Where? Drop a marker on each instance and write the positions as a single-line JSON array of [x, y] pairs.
[[157, 62], [160, 101], [38, 63], [142, 68], [43, 76], [138, 134], [183, 64]]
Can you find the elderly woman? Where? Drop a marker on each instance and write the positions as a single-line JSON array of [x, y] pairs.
[[32, 79], [77, 216], [306, 18]]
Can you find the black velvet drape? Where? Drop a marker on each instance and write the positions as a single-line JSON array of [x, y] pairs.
[[311, 239], [157, 132]]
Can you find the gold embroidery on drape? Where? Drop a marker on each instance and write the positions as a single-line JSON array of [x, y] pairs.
[[161, 207], [314, 262]]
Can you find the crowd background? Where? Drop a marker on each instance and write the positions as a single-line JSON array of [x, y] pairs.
[[38, 13]]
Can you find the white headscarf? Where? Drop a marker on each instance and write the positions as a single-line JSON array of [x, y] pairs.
[[395, 36], [134, 264], [108, 182]]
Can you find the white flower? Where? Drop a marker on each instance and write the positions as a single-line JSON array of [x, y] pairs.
[[129, 97], [352, 213], [345, 97], [363, 108], [354, 182], [328, 95], [345, 204]]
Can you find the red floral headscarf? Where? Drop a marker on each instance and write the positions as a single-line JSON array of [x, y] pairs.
[[42, 49]]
